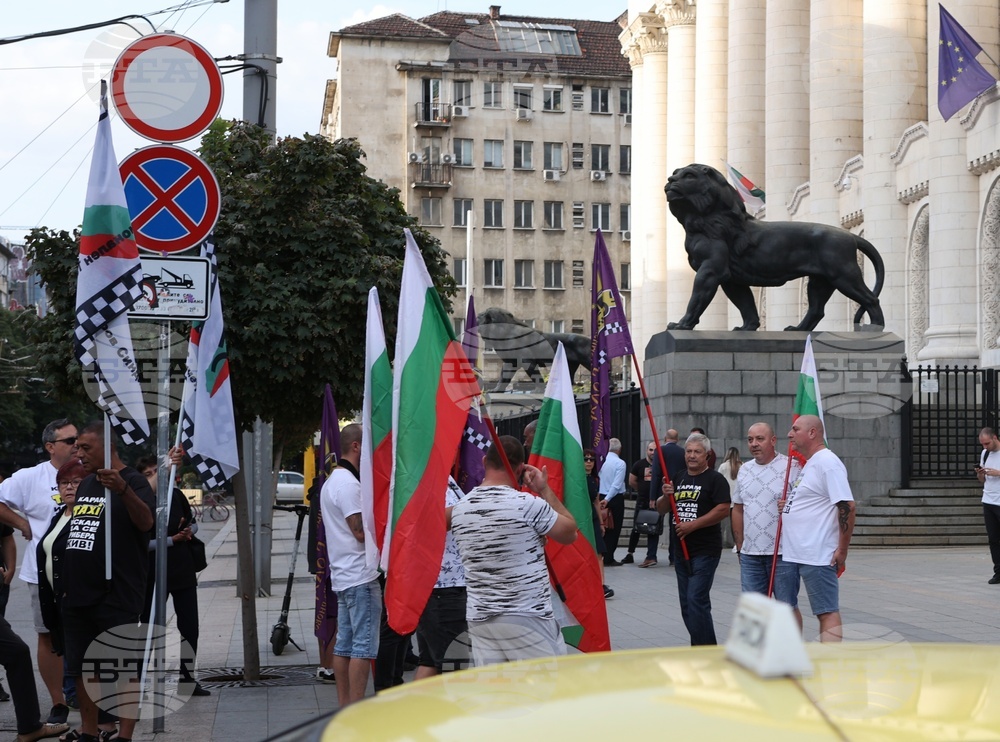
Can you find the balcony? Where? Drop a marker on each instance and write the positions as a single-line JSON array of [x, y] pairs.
[[432, 114], [430, 176]]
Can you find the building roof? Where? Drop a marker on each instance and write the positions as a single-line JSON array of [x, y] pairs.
[[474, 36]]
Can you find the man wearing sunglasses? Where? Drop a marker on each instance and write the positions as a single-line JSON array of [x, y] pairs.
[[34, 495]]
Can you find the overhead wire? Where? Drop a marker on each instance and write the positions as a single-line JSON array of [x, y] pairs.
[[56, 120], [65, 185]]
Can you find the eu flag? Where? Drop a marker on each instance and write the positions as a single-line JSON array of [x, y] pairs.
[[961, 77]]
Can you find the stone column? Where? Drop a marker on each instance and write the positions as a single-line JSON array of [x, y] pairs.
[[786, 117], [895, 98], [745, 134], [954, 202]]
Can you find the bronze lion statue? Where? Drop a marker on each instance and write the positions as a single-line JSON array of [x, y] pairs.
[[522, 346], [728, 248]]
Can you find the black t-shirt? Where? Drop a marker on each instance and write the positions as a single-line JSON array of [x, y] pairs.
[[642, 470], [180, 563], [696, 496], [673, 455], [83, 573]]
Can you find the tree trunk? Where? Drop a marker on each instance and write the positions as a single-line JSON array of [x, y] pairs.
[[245, 575]]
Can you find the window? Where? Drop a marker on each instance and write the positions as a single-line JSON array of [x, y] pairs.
[[492, 95], [553, 274], [626, 273], [524, 274], [625, 217], [493, 273], [578, 215], [537, 38], [522, 155], [493, 213], [459, 324], [600, 217], [493, 153], [578, 97], [458, 271], [600, 100], [430, 99], [558, 325], [625, 100], [462, 93], [576, 153], [430, 150], [600, 157], [462, 206], [430, 212], [553, 215], [552, 99], [524, 215], [625, 158], [463, 152], [522, 97], [553, 154]]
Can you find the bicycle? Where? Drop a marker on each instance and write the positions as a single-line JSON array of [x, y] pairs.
[[213, 502]]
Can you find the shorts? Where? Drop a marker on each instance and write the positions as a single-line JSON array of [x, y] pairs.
[[82, 626], [442, 622], [36, 609], [755, 576], [510, 638], [359, 611], [821, 586]]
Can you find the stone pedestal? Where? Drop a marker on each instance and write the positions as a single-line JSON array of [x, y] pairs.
[[726, 381]]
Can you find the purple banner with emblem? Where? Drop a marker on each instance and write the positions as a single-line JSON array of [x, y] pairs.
[[325, 627], [469, 470]]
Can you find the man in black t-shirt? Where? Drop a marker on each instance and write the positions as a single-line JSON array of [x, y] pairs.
[[639, 477], [92, 604], [702, 496]]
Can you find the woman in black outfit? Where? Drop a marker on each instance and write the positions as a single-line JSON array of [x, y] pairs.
[[593, 486]]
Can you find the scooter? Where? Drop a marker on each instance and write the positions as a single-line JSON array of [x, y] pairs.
[[280, 634]]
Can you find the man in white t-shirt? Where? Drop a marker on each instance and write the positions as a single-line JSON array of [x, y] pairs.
[[500, 533], [34, 495], [359, 596], [818, 521], [759, 486], [988, 473]]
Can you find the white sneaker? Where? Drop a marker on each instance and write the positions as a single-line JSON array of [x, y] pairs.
[[325, 676]]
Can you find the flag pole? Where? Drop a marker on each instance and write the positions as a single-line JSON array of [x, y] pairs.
[[777, 533], [107, 499]]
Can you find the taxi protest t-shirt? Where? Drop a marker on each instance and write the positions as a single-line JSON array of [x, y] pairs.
[[696, 496], [84, 570]]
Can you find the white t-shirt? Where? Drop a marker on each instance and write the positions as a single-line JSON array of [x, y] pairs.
[[500, 534], [34, 493], [452, 573], [991, 485], [339, 498], [758, 488], [810, 532]]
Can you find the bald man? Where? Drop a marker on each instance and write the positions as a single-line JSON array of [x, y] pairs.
[[818, 522]]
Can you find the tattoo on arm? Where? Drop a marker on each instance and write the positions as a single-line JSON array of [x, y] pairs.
[[844, 509]]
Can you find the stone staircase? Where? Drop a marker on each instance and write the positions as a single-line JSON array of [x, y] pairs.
[[928, 514]]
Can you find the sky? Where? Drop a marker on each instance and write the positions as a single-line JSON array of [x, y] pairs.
[[50, 85]]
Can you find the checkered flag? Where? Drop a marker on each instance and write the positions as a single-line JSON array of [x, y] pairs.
[[209, 470]]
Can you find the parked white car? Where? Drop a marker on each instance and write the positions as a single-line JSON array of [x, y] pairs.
[[291, 488]]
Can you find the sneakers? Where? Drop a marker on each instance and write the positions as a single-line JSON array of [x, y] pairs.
[[608, 592], [629, 559], [325, 676], [58, 715], [994, 580], [648, 563], [43, 732]]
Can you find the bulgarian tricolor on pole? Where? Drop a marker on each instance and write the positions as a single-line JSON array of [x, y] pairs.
[[433, 387], [376, 435], [573, 567], [753, 197]]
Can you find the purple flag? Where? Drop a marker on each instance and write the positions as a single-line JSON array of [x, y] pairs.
[[476, 437], [609, 338], [325, 626], [961, 77]]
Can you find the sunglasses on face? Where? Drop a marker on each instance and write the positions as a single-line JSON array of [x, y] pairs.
[[71, 441], [588, 458]]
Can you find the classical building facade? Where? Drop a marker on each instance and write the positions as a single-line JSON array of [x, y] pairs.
[[830, 106], [524, 122]]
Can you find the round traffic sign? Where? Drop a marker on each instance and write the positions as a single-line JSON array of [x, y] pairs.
[[167, 88], [173, 198]]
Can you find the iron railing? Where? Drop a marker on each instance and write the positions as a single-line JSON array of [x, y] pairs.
[[433, 113]]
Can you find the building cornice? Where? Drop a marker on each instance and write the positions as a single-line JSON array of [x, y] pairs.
[[853, 219], [853, 166], [986, 163], [971, 118], [914, 193], [915, 132], [677, 12], [798, 196]]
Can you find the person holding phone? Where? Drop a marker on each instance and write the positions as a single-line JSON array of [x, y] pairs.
[[988, 474]]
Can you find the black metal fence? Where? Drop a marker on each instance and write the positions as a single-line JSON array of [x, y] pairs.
[[628, 423], [942, 420]]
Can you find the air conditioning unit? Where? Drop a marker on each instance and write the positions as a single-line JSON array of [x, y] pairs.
[[460, 111], [522, 114], [550, 174], [447, 159], [413, 157], [626, 235], [628, 119], [598, 175]]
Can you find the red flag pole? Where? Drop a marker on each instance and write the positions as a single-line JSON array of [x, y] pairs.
[[777, 533], [659, 453]]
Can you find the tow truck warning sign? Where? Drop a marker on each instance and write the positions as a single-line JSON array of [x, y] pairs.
[[173, 288]]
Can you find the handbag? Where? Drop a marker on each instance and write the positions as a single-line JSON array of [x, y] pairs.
[[648, 523], [197, 547]]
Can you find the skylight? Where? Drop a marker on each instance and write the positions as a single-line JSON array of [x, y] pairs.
[[537, 38]]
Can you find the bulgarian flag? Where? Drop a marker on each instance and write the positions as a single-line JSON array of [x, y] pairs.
[[573, 567], [433, 387], [376, 438], [807, 398], [752, 196]]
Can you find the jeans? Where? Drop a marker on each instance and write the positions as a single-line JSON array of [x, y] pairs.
[[642, 503], [358, 612], [16, 660], [694, 592], [991, 514], [755, 576]]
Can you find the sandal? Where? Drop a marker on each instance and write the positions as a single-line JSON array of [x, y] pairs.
[[103, 735], [71, 736]]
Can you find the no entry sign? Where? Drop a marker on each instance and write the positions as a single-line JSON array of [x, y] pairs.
[[167, 88], [173, 198]]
